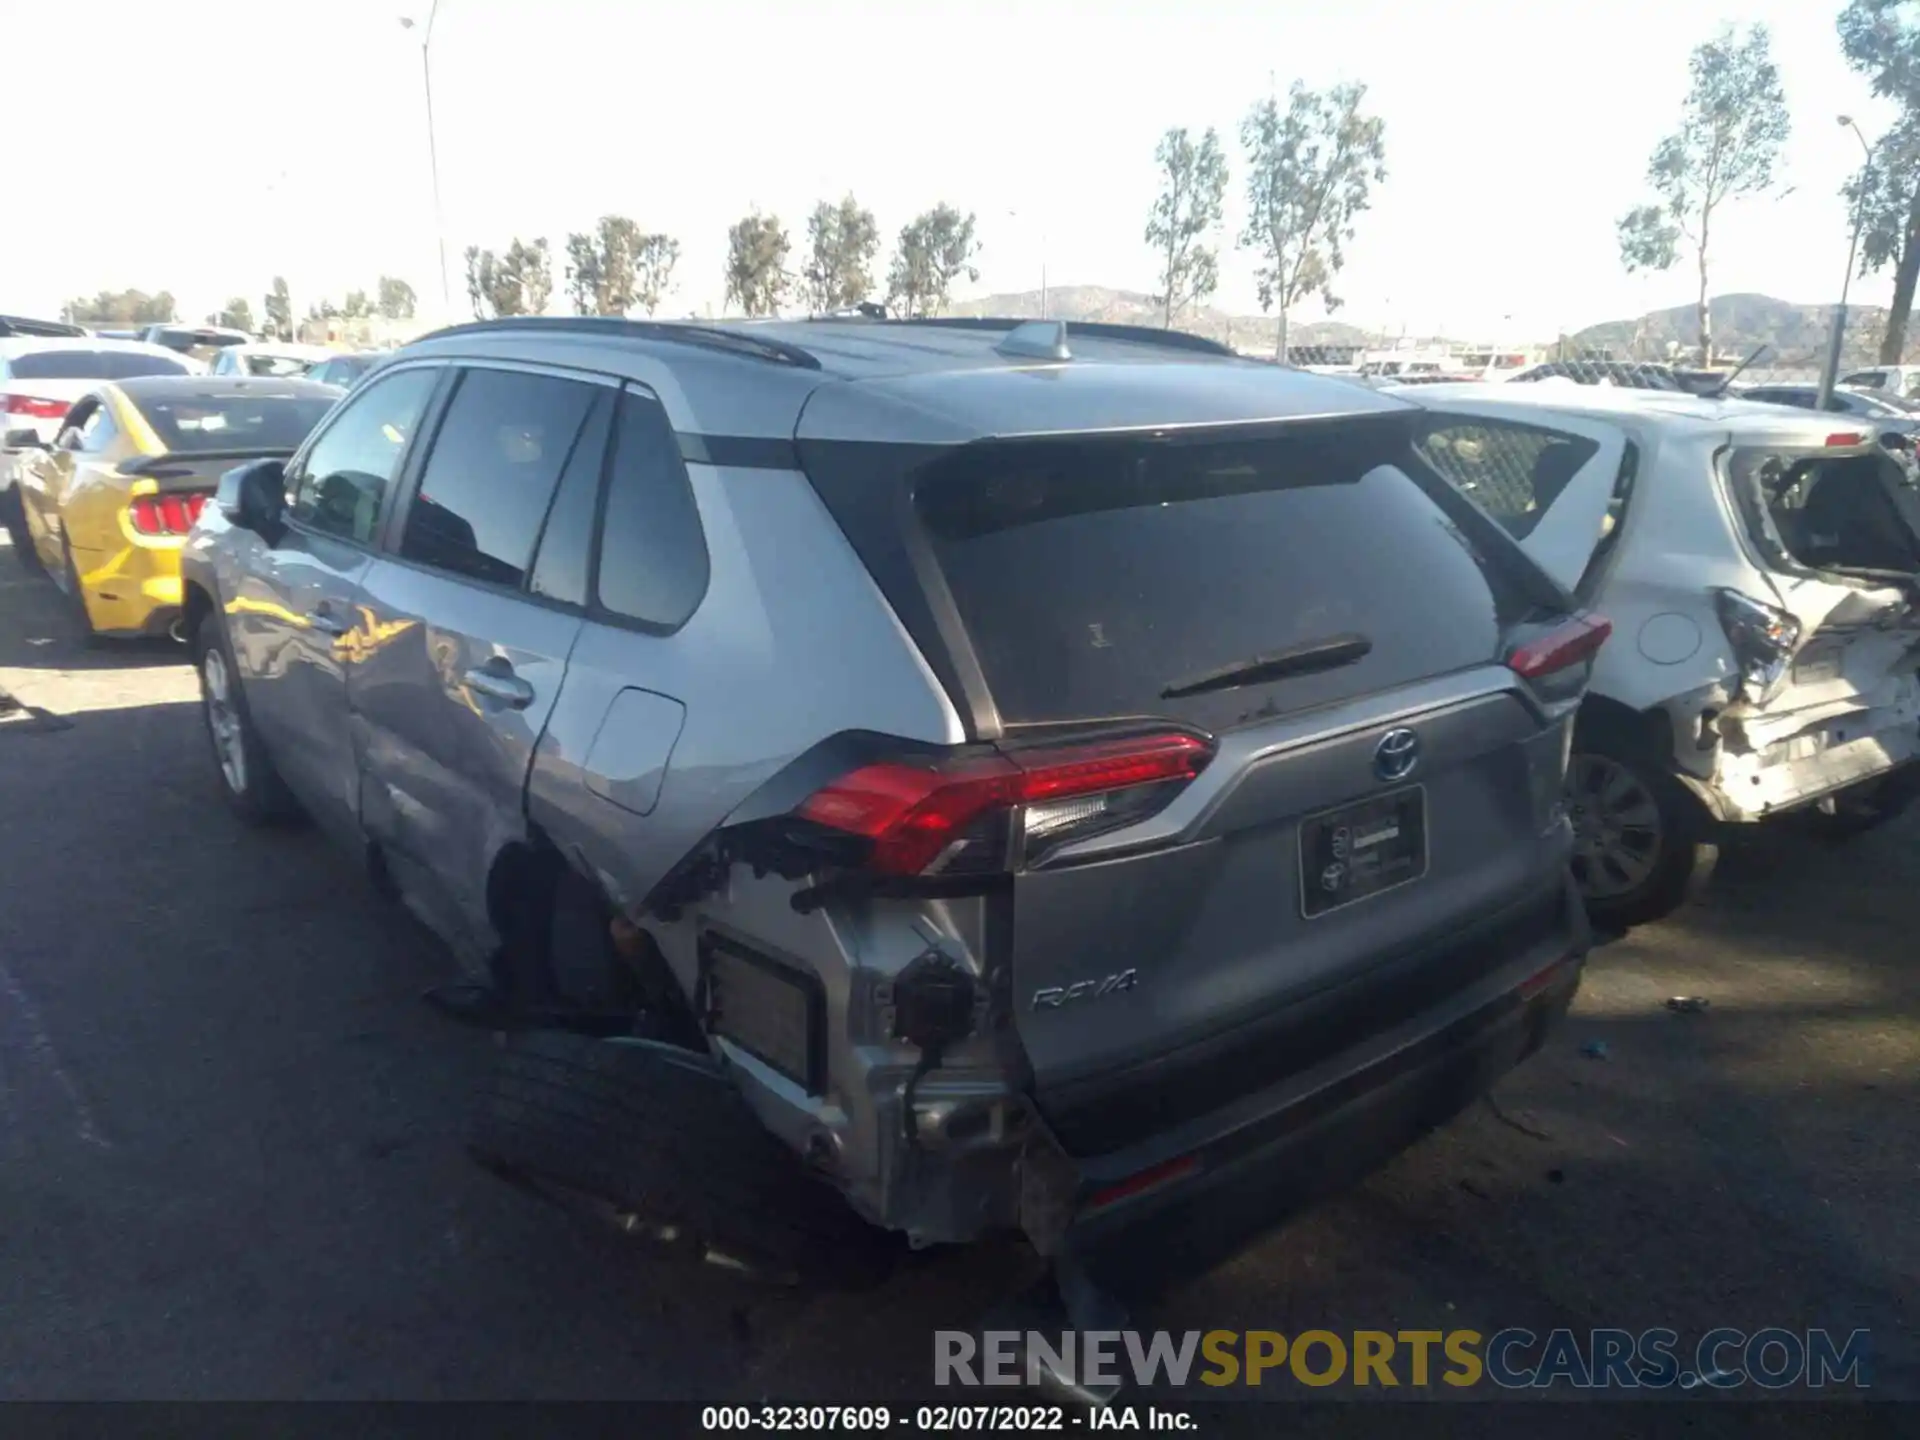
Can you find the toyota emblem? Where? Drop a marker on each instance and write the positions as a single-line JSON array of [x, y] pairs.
[[1396, 755]]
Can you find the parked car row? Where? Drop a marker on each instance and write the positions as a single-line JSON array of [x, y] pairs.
[[1067, 780], [46, 366]]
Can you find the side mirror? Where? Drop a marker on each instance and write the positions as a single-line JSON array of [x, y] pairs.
[[23, 440], [254, 497]]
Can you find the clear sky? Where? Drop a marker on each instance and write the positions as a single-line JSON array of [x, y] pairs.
[[204, 145]]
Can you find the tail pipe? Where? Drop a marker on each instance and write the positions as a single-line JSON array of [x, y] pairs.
[[177, 629]]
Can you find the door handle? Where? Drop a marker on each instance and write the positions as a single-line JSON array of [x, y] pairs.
[[502, 685], [326, 622]]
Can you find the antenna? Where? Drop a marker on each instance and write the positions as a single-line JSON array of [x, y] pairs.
[[1036, 340]]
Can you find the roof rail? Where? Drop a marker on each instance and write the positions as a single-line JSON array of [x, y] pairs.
[[713, 337], [1096, 329]]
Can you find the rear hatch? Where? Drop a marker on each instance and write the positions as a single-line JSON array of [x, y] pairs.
[[1836, 522], [1371, 828]]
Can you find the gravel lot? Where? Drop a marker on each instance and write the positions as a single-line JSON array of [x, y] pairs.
[[230, 1160]]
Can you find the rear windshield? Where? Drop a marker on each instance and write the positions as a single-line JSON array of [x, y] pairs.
[[1093, 576], [277, 366], [196, 339], [189, 423], [91, 365]]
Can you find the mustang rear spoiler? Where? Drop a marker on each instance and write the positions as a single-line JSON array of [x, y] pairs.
[[195, 462]]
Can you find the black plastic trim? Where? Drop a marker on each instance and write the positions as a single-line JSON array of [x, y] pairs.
[[738, 452], [742, 341], [1100, 330]]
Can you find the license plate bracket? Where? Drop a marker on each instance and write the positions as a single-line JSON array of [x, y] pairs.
[[1356, 851]]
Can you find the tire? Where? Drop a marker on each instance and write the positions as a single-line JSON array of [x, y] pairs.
[[15, 516], [1643, 844], [253, 788], [88, 635], [660, 1133]]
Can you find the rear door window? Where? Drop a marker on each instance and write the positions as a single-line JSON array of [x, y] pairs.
[[653, 554], [1097, 579], [1514, 472], [491, 475], [562, 570]]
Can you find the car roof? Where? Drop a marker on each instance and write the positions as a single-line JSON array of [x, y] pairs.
[[163, 387], [283, 347], [34, 344], [1667, 409], [932, 381]]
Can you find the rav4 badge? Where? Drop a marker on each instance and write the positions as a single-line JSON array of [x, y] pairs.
[[1054, 996]]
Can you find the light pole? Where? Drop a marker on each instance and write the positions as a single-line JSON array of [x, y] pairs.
[[1831, 370], [433, 152], [1015, 215]]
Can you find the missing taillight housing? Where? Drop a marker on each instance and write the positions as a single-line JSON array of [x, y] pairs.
[[955, 814]]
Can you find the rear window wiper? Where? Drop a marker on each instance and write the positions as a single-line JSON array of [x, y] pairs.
[[1307, 659]]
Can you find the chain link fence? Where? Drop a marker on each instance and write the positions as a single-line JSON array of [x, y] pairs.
[[1513, 471]]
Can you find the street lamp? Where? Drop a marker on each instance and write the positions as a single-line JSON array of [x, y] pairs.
[[433, 154], [1831, 370], [1015, 215]]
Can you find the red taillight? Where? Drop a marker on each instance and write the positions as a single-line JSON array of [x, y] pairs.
[[1577, 640], [165, 514], [36, 408], [912, 813], [1845, 440]]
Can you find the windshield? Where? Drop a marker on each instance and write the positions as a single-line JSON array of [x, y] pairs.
[[91, 365], [189, 423]]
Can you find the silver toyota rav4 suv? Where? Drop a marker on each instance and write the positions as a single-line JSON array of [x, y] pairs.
[[1083, 783]]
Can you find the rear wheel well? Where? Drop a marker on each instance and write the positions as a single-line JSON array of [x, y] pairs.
[[1643, 734], [556, 927], [195, 605]]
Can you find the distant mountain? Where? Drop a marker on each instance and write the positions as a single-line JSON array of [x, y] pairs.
[[1794, 334], [1097, 303]]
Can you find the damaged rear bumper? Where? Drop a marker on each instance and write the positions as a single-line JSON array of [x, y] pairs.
[[1766, 764], [1186, 1201]]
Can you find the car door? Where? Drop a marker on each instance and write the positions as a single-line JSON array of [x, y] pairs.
[[1558, 484], [48, 476], [452, 700], [295, 625]]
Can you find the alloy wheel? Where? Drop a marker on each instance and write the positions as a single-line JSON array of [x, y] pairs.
[[1617, 827], [223, 721]]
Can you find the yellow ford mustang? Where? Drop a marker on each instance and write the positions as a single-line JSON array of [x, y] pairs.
[[109, 504]]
